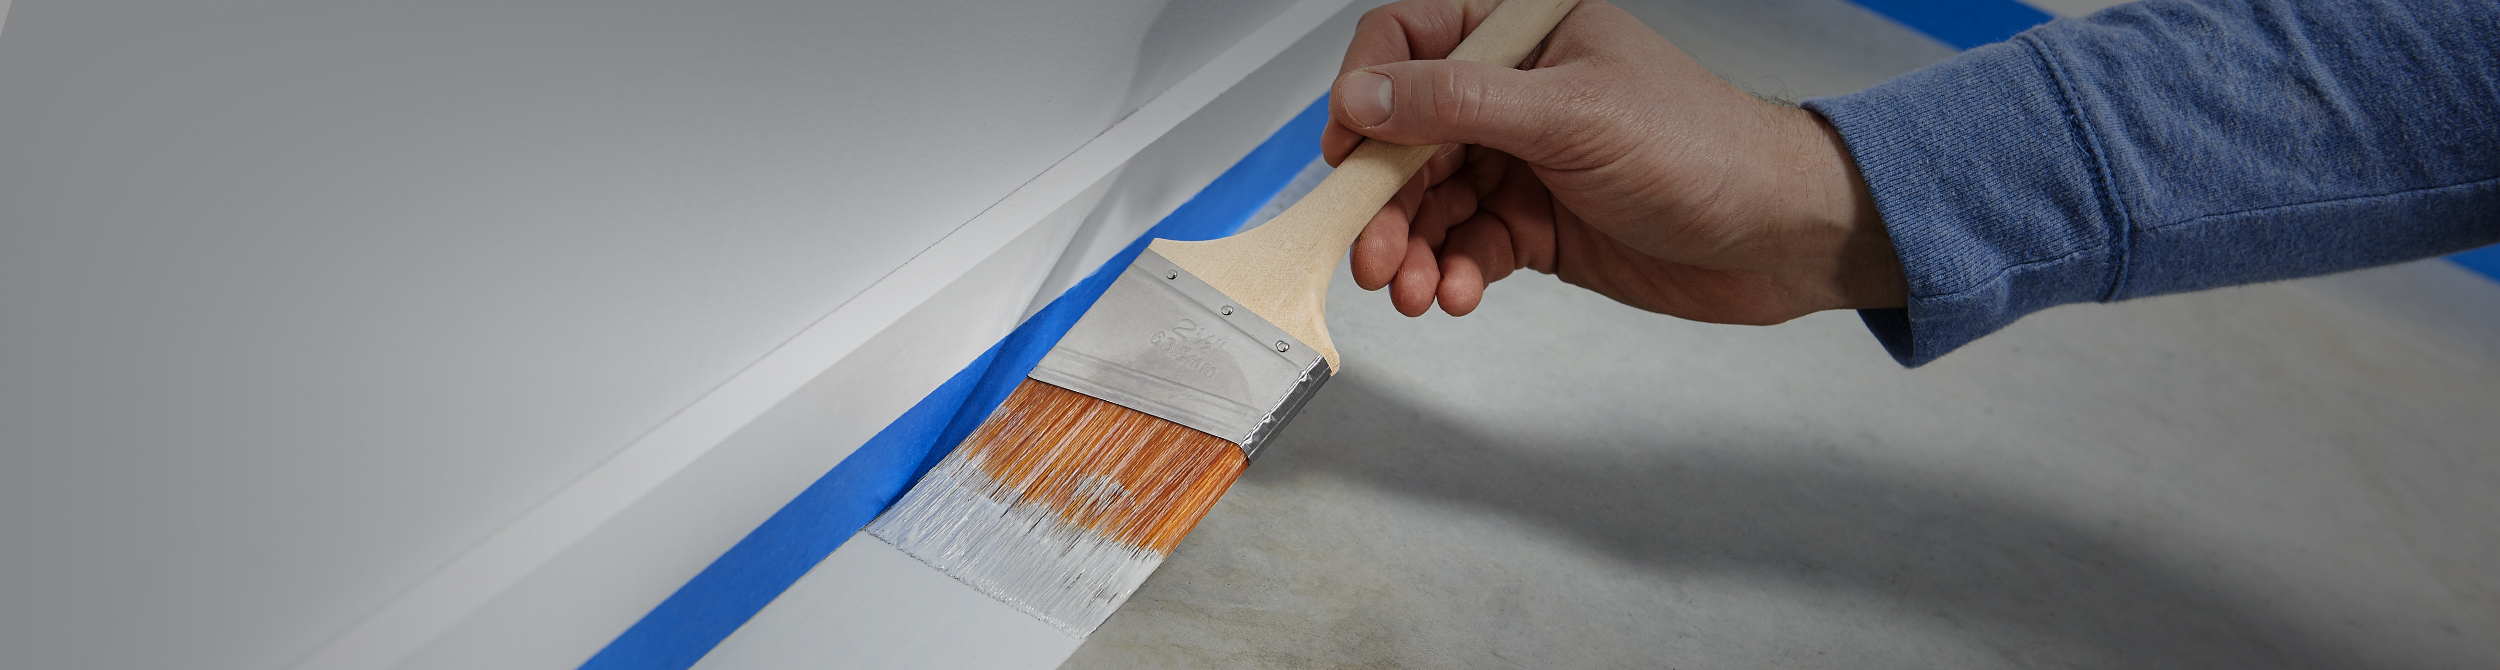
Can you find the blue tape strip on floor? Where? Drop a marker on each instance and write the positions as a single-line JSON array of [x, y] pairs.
[[704, 611], [1961, 23], [2485, 260]]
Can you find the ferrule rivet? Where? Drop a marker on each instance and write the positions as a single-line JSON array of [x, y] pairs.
[[1281, 346], [1171, 274], [1226, 310]]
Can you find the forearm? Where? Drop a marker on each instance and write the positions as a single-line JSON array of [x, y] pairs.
[[2170, 146]]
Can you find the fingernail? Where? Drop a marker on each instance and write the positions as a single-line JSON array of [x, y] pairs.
[[1367, 98]]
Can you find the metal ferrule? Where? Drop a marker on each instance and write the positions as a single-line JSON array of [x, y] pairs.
[[1162, 342]]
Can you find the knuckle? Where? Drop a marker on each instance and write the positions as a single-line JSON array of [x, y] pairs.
[[1372, 20], [1458, 96]]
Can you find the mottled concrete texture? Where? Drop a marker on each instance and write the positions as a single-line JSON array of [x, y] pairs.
[[2294, 475]]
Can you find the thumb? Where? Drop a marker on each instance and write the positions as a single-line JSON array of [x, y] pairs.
[[1445, 101]]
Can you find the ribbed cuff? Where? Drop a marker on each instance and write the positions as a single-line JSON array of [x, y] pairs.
[[1992, 189]]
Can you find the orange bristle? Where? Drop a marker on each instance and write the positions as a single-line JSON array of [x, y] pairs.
[[1137, 479], [1061, 504]]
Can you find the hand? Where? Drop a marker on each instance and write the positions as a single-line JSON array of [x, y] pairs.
[[1612, 160]]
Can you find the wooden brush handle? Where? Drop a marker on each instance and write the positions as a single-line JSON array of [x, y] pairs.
[[1280, 270]]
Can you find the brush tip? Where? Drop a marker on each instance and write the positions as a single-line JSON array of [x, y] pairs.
[[1062, 504]]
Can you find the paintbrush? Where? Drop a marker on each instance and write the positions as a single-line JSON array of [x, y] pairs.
[[1070, 494]]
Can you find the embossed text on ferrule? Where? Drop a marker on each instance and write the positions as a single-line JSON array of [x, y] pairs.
[[1190, 345]]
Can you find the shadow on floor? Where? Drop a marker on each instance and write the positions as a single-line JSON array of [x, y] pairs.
[[2041, 589]]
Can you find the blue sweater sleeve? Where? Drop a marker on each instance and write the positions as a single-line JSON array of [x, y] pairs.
[[2174, 145]]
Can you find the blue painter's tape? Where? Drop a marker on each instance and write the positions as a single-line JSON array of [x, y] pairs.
[[769, 559], [2485, 260], [1961, 23]]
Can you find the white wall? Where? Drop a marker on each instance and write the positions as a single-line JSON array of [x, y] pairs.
[[300, 298]]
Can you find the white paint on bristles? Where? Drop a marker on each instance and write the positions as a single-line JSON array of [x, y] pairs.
[[972, 527]]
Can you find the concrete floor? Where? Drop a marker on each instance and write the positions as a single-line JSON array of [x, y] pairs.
[[2293, 475]]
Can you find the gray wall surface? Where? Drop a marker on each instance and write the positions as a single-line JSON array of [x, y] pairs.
[[298, 299]]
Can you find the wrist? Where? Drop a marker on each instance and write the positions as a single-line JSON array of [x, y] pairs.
[[1847, 260]]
